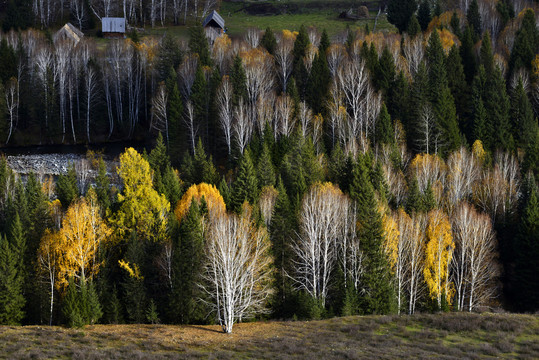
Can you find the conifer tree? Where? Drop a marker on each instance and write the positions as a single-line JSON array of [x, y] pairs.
[[413, 201], [467, 54], [399, 12], [524, 123], [497, 102], [424, 15], [282, 230], [474, 19], [398, 98], [66, 187], [198, 44], [188, 260], [266, 171], [531, 157], [245, 188], [385, 71], [527, 252], [318, 83], [376, 280], [299, 70], [71, 306], [455, 24], [200, 100], [459, 89], [486, 55], [169, 56], [12, 274], [238, 80], [384, 128], [440, 95], [414, 27], [102, 185], [268, 41], [174, 114], [526, 44]]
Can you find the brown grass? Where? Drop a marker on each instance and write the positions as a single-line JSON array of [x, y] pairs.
[[443, 336]]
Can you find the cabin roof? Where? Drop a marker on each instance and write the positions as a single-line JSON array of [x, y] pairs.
[[215, 17], [70, 31], [113, 25]]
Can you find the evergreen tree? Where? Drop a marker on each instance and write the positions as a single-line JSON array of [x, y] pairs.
[[414, 202], [318, 83], [474, 19], [527, 252], [300, 72], [174, 113], [506, 11], [12, 275], [281, 232], [199, 168], [497, 102], [376, 280], [455, 24], [239, 81], [324, 42], [459, 89], [200, 100], [486, 55], [414, 27], [524, 123], [188, 261], [224, 190], [469, 61], [385, 71], [398, 98], [245, 188], [8, 61], [198, 44], [423, 15], [440, 95], [266, 171], [531, 157], [102, 185], [268, 41], [399, 12], [169, 56], [134, 298], [384, 128], [67, 189], [71, 306], [526, 44]]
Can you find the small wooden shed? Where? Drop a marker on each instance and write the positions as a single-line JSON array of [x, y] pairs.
[[68, 32], [113, 27], [215, 22]]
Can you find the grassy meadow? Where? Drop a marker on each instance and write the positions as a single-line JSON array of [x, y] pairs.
[[440, 336]]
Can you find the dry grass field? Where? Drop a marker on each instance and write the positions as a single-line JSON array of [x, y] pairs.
[[441, 336]]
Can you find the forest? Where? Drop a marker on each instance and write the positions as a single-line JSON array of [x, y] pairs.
[[291, 175]]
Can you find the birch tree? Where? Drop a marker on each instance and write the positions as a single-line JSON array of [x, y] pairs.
[[284, 59], [12, 103], [159, 111], [237, 273], [224, 101], [242, 126], [474, 267], [322, 211]]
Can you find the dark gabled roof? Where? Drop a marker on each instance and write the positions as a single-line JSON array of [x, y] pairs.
[[215, 17]]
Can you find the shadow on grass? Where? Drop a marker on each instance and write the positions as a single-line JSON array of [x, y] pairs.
[[202, 328]]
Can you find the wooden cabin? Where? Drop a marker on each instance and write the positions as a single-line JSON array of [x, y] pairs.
[[214, 22], [68, 32], [113, 27]]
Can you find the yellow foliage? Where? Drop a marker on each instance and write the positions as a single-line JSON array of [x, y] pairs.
[[391, 238], [133, 271], [79, 239], [438, 255], [141, 207], [214, 200], [289, 35], [448, 39], [478, 150], [535, 66]]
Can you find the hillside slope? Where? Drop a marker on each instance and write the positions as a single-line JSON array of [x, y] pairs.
[[442, 336]]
